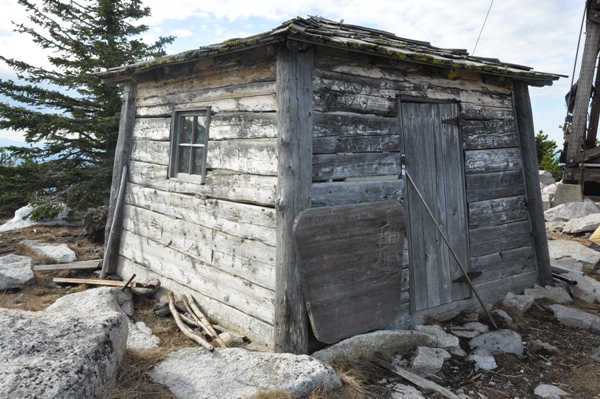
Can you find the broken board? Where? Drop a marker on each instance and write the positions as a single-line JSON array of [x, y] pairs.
[[350, 263]]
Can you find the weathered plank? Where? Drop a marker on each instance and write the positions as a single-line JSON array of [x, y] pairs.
[[223, 314], [334, 145], [158, 129], [209, 76], [503, 264], [524, 116], [248, 259], [345, 193], [258, 157], [241, 220], [478, 135], [257, 103], [243, 125], [229, 289], [294, 149], [83, 265], [253, 189], [348, 256], [348, 124], [485, 186], [476, 112], [489, 240], [478, 161], [149, 151], [340, 166], [121, 161], [498, 211]]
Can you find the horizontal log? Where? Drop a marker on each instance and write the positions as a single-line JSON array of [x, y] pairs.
[[498, 211], [83, 265], [258, 157], [232, 290], [476, 112], [242, 220], [243, 125], [485, 186], [494, 233], [207, 75], [233, 319], [258, 103], [247, 188], [355, 192], [479, 161], [155, 152], [504, 264], [340, 166], [157, 129], [248, 259], [479, 135], [334, 145], [349, 124]]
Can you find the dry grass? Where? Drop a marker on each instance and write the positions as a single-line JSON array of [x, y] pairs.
[[275, 394]]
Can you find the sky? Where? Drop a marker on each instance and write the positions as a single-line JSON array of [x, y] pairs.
[[542, 34]]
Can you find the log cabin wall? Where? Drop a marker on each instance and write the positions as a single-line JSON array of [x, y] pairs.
[[357, 144], [217, 240]]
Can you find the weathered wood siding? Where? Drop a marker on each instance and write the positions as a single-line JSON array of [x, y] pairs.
[[217, 240], [356, 149]]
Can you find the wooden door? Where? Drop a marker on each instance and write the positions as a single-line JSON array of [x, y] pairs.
[[434, 161]]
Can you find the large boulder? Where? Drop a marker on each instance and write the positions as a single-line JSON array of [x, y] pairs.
[[239, 373], [554, 294], [582, 225], [15, 271], [64, 354], [366, 345], [570, 211], [546, 178], [577, 318], [60, 253], [587, 289], [571, 254]]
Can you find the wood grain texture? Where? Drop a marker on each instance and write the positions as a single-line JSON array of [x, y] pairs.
[[485, 186], [478, 135], [530, 168], [350, 261], [488, 240], [498, 211], [219, 184], [229, 317], [341, 166], [504, 264], [122, 156], [355, 192], [480, 161], [294, 150]]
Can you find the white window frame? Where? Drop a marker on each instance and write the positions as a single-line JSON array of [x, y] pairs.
[[176, 126]]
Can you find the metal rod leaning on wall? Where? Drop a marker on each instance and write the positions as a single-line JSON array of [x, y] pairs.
[[110, 246], [450, 248]]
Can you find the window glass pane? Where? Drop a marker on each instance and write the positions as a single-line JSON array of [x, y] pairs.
[[198, 157], [186, 129], [200, 130], [184, 159]]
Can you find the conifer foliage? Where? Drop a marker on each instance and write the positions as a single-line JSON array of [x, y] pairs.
[[66, 105]]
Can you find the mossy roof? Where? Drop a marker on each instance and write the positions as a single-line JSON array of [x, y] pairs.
[[325, 32]]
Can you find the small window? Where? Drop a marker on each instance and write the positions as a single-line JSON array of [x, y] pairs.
[[189, 136]]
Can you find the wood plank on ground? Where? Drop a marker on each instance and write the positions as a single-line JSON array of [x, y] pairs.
[[83, 265]]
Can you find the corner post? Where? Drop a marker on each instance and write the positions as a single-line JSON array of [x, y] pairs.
[[122, 156], [524, 116], [294, 96]]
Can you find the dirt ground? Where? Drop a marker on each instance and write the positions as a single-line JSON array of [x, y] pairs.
[[571, 367]]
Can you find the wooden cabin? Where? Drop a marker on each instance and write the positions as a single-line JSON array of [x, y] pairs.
[[225, 145]]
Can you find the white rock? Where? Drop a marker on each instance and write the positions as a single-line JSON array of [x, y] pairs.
[[366, 345], [502, 314], [428, 361], [587, 288], [486, 345], [554, 294], [581, 225], [569, 211], [546, 178], [470, 330], [21, 220], [91, 301], [60, 253], [64, 354], [549, 391], [550, 189], [571, 254], [15, 271], [238, 373], [546, 201], [521, 303], [442, 338], [576, 318], [141, 338], [406, 392]]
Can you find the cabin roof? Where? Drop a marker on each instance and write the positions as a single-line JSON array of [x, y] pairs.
[[317, 30]]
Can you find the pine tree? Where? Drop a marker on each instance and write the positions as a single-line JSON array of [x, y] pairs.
[[67, 106]]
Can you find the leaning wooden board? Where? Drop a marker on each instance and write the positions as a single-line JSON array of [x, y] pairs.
[[350, 258]]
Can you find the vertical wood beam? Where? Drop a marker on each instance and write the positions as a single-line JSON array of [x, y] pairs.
[[584, 89], [122, 156], [294, 178], [524, 116]]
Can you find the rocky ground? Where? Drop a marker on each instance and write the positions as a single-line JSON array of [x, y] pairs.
[[554, 354]]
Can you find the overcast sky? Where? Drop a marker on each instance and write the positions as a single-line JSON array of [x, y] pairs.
[[542, 34]]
